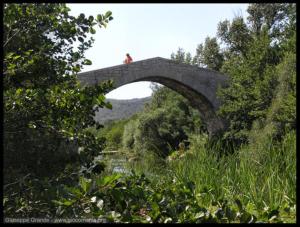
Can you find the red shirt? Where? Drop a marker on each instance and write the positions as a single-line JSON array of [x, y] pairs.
[[128, 60]]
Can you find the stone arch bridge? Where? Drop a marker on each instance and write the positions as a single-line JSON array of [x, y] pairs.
[[198, 85]]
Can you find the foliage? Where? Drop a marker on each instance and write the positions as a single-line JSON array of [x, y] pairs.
[[275, 16], [270, 186], [235, 36], [128, 135], [164, 123], [45, 108], [47, 115], [283, 109], [209, 54], [251, 91], [181, 56], [259, 105], [132, 199], [113, 134], [281, 116], [252, 69], [201, 188]]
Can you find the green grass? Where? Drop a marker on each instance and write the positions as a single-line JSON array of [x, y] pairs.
[[255, 184], [263, 175]]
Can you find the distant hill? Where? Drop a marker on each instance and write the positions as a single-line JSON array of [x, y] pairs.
[[122, 109]]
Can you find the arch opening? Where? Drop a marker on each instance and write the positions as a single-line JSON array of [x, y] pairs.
[[196, 100], [135, 90]]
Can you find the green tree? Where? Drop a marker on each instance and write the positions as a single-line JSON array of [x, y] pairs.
[[251, 89], [275, 16], [182, 57], [45, 108], [209, 54], [280, 21], [113, 133], [128, 139], [188, 58], [163, 124], [235, 35], [179, 56], [281, 116], [253, 74]]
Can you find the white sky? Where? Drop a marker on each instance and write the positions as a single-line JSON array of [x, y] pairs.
[[151, 30]]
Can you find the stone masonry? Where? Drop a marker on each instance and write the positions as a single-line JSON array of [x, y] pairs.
[[198, 85]]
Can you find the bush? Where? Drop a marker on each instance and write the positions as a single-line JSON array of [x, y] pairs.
[[163, 125], [128, 139]]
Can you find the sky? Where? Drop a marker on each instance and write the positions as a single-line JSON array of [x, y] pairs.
[[150, 30]]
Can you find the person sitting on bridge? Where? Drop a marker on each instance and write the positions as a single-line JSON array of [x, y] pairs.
[[128, 59]]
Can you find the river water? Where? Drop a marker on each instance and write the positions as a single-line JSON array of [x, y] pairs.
[[115, 163]]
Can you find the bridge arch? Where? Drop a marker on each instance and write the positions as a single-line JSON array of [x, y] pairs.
[[198, 85]]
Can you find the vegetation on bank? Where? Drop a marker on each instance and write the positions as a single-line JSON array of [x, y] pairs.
[[176, 173]]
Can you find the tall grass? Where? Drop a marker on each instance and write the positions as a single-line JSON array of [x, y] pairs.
[[263, 175], [150, 164]]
